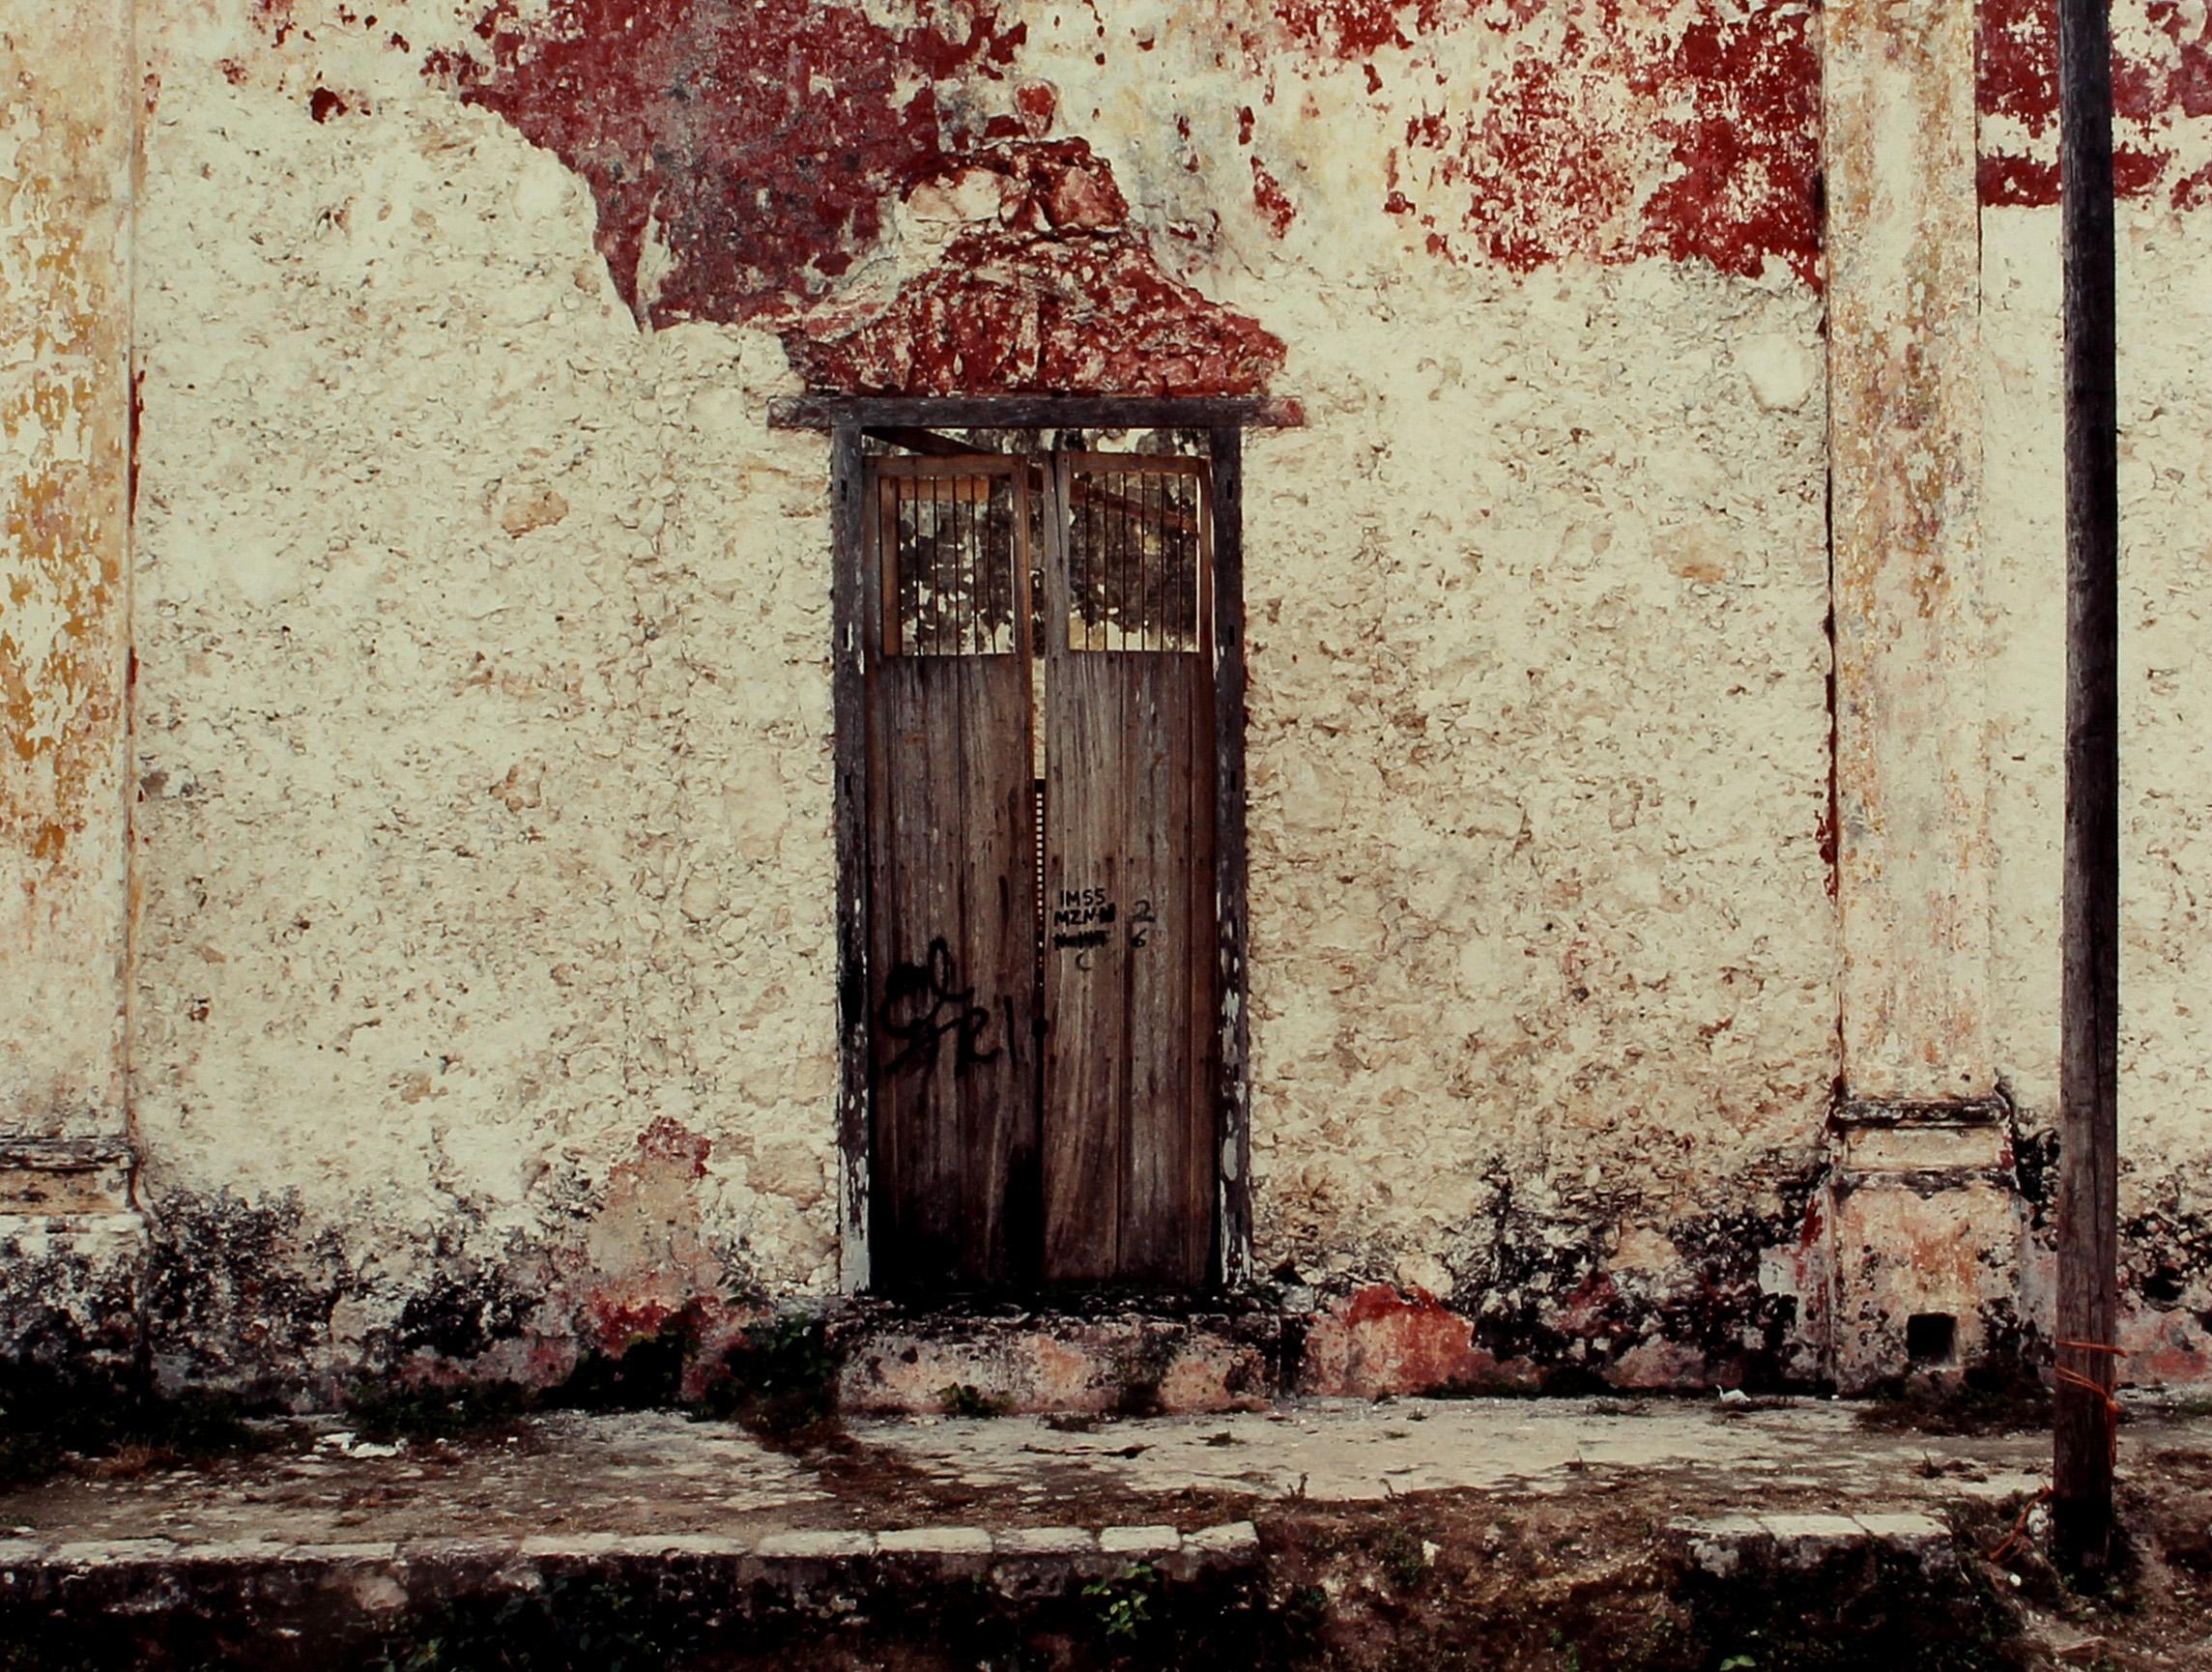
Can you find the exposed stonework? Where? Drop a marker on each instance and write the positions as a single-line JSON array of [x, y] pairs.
[[1923, 1206]]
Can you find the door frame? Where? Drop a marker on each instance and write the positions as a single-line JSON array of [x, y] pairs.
[[1222, 423]]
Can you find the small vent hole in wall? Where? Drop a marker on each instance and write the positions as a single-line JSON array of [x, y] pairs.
[[1931, 1337]]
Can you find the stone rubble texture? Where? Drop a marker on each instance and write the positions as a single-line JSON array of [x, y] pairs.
[[415, 828]]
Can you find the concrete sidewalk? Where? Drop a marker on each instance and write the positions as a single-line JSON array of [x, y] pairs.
[[889, 1514]]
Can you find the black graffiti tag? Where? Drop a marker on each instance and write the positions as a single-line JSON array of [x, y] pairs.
[[921, 1005]]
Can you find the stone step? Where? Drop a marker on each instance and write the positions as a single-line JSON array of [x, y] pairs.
[[114, 1603]]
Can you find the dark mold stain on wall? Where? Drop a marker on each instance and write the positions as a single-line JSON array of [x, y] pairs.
[[240, 1293], [1549, 1299]]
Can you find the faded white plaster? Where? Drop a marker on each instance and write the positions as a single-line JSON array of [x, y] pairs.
[[2166, 508], [1537, 707]]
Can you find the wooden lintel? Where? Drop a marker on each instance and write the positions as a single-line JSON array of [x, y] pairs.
[[1022, 412], [928, 442]]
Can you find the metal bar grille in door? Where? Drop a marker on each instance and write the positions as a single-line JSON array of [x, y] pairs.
[[1135, 557], [951, 550]]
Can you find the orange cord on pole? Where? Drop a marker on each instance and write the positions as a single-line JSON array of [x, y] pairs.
[[2071, 1379], [2074, 1379]]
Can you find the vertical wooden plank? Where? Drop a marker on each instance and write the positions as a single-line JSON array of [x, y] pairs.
[[1167, 1210], [1025, 1165], [1084, 1007], [953, 894], [1228, 583], [850, 640], [997, 1102], [917, 934], [888, 607], [1202, 1115], [887, 602], [2084, 1417]]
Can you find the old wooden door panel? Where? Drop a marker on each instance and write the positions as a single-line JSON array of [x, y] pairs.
[[1084, 1126], [1129, 956], [1167, 1212], [952, 905]]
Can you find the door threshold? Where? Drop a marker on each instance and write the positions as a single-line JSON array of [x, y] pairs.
[[1104, 1353]]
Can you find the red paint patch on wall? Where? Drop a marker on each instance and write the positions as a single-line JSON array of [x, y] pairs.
[[1058, 293], [1034, 104], [615, 1322], [1557, 159], [1273, 203], [1744, 154], [1347, 29], [756, 144], [1606, 131], [761, 148], [275, 17], [670, 1142], [1386, 1340], [2162, 77]]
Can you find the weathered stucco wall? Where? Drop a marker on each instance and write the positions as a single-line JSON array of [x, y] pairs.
[[482, 988], [2163, 78], [485, 976], [483, 995]]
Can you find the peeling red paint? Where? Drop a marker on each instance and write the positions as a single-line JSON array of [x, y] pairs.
[[2017, 81], [758, 145], [668, 1140], [1273, 203], [742, 166], [1746, 155], [276, 17], [1059, 293], [1386, 1340], [2193, 190], [1348, 29], [323, 104], [618, 1322], [760, 153], [1696, 141], [1036, 103]]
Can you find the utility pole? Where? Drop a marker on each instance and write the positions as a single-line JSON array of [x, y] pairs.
[[2085, 1419]]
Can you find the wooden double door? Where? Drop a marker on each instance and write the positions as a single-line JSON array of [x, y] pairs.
[[1040, 876]]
